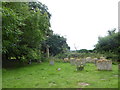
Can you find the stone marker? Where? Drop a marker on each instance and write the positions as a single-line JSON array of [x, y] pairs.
[[72, 61], [95, 60], [88, 59], [51, 61], [104, 64], [80, 61], [83, 61], [79, 64], [91, 60]]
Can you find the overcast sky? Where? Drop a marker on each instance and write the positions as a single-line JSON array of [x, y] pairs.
[[82, 21]]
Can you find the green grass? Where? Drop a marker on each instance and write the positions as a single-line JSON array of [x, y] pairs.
[[46, 76]]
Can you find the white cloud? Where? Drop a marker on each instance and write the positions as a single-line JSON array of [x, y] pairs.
[[82, 21]]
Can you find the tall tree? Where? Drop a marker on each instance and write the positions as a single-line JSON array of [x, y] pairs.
[[24, 29], [57, 44], [109, 44]]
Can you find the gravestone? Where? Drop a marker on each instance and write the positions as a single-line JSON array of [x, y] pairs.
[[79, 64], [104, 64], [83, 61], [91, 60], [51, 61], [80, 61], [95, 60], [88, 59], [72, 61]]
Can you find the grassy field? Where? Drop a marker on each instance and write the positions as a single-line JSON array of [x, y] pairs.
[[46, 76]]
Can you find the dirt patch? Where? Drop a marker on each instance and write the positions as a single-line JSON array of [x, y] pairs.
[[83, 84]]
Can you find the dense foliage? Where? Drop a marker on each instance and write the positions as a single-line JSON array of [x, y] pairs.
[[26, 25], [109, 45], [57, 45]]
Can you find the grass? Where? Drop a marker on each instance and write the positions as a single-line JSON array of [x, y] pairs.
[[46, 76]]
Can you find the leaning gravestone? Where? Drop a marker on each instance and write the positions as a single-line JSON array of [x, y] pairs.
[[104, 64]]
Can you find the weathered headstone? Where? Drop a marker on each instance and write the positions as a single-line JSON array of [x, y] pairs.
[[72, 61], [88, 59], [83, 61], [80, 61], [51, 61], [79, 64], [95, 60], [104, 64], [91, 60]]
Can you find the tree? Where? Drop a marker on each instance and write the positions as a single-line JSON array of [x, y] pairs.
[[10, 29], [109, 45], [24, 30], [57, 44]]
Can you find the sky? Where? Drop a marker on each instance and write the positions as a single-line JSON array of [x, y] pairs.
[[82, 21]]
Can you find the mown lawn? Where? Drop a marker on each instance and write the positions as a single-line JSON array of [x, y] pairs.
[[46, 76]]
